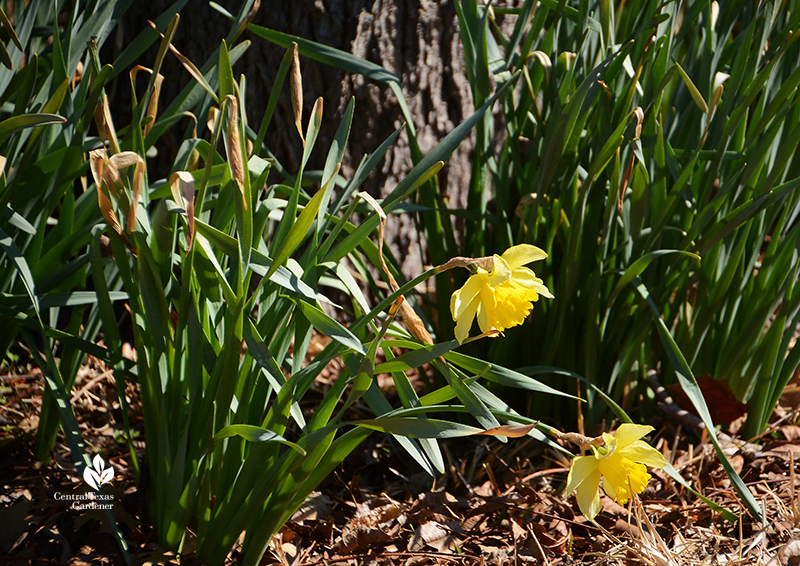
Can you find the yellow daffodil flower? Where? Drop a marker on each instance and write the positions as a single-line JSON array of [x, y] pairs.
[[622, 462], [501, 298]]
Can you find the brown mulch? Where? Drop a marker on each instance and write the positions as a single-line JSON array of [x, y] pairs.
[[496, 504]]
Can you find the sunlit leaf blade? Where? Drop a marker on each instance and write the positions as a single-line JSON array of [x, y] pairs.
[[692, 390], [17, 221], [419, 428], [17, 123], [253, 433], [298, 231], [325, 54], [329, 327], [21, 265], [420, 356]]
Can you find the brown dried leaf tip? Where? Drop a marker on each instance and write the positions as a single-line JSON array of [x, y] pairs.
[[107, 177], [296, 89], [413, 322], [152, 104], [105, 124], [211, 120], [235, 158], [181, 183]]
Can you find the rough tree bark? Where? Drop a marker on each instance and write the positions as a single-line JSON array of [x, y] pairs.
[[417, 40]]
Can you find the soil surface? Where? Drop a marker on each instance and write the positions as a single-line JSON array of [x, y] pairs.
[[497, 503]]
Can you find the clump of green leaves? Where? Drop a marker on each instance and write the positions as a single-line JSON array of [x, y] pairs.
[[48, 102], [223, 274], [651, 151]]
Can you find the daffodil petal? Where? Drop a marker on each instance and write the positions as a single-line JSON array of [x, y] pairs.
[[464, 322], [522, 254], [462, 298], [486, 309], [483, 319], [588, 495], [505, 294], [628, 433], [543, 291], [637, 478], [582, 468], [614, 478], [601, 453], [640, 451], [524, 276], [500, 273]]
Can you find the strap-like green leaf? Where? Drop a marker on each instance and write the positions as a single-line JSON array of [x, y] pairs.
[[16, 123], [253, 433], [692, 390], [418, 428], [329, 327], [298, 231]]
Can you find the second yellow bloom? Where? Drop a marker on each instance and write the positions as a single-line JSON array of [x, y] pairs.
[[622, 463], [500, 298]]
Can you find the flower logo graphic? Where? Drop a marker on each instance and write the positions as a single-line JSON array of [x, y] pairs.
[[99, 475]]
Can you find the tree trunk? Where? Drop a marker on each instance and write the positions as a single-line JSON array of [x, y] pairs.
[[417, 40]]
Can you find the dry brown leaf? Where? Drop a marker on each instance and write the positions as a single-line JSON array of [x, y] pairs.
[[97, 162], [235, 158], [107, 210], [211, 120], [316, 507], [375, 522], [152, 105], [639, 114], [626, 177], [413, 322], [790, 432], [378, 510], [181, 183], [123, 160], [512, 431], [782, 451], [296, 90], [441, 537], [109, 182], [519, 533], [187, 64], [555, 539], [789, 555], [495, 554], [105, 124], [439, 502], [248, 18]]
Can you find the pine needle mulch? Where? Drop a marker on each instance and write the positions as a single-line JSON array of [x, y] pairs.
[[497, 503]]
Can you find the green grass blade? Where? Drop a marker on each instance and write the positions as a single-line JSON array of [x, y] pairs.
[[18, 123], [692, 390], [329, 327]]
